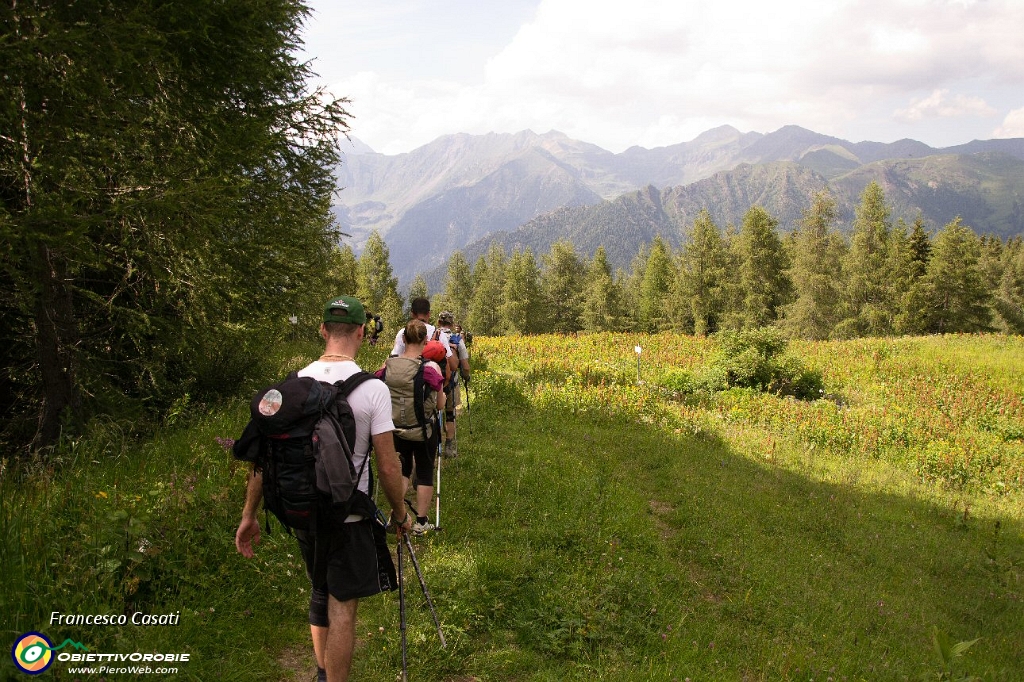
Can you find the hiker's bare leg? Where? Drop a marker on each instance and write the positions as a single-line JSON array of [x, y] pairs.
[[341, 638], [319, 643], [318, 622], [424, 493]]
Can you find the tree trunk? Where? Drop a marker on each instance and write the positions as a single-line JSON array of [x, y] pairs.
[[55, 342]]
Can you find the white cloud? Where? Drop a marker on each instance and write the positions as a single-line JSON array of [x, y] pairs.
[[940, 104], [657, 72], [1013, 125]]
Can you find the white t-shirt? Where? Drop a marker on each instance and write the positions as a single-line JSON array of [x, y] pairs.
[[399, 346], [371, 407]]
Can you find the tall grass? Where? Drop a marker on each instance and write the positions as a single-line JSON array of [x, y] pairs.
[[600, 538], [593, 528]]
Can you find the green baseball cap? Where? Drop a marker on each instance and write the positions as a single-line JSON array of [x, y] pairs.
[[347, 309]]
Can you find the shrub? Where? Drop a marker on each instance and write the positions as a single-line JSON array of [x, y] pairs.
[[710, 379], [750, 359]]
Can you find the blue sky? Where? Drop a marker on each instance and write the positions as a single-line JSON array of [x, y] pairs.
[[659, 72]]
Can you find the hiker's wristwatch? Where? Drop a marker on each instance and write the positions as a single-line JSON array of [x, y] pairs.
[[402, 522]]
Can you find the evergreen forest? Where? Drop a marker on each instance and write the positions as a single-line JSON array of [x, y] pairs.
[[881, 277]]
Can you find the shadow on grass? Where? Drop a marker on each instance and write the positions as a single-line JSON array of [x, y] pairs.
[[602, 549]]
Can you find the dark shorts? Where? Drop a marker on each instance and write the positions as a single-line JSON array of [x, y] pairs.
[[423, 453], [358, 560]]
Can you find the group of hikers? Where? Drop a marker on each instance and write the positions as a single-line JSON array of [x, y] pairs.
[[310, 439]]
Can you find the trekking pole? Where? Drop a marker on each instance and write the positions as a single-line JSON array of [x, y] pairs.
[[437, 488], [401, 608], [469, 417], [426, 594]]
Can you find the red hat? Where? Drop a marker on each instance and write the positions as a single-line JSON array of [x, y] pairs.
[[434, 350]]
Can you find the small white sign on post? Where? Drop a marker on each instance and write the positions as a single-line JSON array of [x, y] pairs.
[[638, 350]]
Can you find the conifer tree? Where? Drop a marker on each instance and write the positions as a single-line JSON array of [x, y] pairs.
[[602, 303], [921, 246], [697, 292], [344, 271], [630, 288], [488, 282], [1009, 297], [378, 286], [901, 302], [522, 309], [907, 263], [562, 286], [764, 283], [991, 260], [418, 289], [165, 182], [342, 278], [732, 290], [866, 268], [458, 287], [956, 295], [658, 274], [816, 272]]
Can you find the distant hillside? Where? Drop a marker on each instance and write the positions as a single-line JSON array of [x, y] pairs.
[[461, 188], [986, 190]]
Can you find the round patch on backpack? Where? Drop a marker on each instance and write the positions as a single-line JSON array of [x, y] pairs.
[[271, 402]]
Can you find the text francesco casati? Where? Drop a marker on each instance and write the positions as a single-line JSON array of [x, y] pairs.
[[137, 618]]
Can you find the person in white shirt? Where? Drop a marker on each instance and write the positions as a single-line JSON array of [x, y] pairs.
[[419, 309], [353, 551]]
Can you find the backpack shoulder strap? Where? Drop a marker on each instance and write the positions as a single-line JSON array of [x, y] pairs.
[[419, 390], [346, 387]]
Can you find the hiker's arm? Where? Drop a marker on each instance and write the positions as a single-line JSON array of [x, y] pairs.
[[248, 533], [463, 357], [389, 469]]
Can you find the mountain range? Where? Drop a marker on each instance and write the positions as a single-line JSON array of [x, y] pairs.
[[528, 190]]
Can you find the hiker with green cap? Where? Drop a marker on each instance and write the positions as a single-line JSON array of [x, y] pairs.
[[354, 552]]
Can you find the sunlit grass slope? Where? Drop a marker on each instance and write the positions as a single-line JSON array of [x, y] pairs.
[[594, 527]]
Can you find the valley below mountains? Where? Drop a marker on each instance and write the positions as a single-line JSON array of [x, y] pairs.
[[525, 190]]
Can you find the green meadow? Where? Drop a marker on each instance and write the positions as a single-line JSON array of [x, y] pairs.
[[606, 519]]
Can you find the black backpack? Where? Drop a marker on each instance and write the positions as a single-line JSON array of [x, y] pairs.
[[301, 436]]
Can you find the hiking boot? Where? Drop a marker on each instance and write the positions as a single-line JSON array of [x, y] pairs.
[[450, 450], [422, 528]]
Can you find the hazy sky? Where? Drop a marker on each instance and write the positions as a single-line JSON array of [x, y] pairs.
[[658, 72]]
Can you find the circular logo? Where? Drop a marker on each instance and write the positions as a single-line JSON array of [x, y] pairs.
[[271, 402], [32, 653]]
